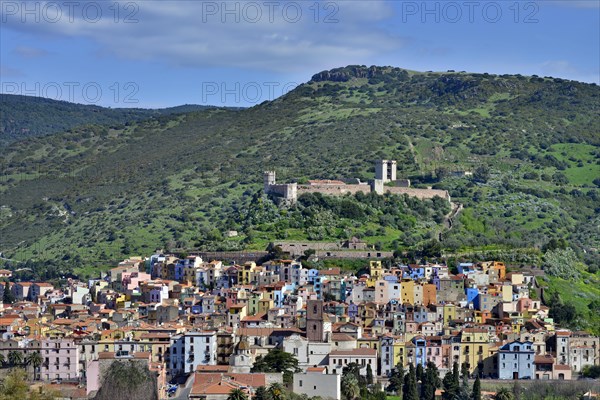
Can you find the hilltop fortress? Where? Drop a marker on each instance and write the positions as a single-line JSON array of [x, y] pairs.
[[385, 172]]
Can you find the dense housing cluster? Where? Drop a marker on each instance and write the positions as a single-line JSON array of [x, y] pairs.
[[209, 323]]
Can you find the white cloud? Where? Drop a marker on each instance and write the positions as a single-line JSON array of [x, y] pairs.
[[276, 36]]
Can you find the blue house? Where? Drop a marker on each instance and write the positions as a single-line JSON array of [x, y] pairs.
[[471, 294], [515, 361], [465, 268], [352, 310], [420, 350]]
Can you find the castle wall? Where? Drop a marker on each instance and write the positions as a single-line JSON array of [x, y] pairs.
[[418, 193], [353, 254], [334, 190], [280, 190]]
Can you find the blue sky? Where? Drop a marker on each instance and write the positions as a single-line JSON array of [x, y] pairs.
[[239, 53]]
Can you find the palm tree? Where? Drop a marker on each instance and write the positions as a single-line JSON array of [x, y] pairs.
[[15, 358], [504, 394], [350, 387], [276, 391], [237, 394], [35, 360]]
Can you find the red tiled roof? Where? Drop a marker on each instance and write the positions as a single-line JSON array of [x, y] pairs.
[[355, 352]]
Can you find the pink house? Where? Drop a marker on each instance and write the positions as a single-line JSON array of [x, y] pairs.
[[60, 359], [131, 280], [435, 353]]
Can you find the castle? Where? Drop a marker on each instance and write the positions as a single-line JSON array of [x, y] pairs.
[[385, 172]]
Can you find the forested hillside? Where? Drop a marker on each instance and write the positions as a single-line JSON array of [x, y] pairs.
[[26, 116]]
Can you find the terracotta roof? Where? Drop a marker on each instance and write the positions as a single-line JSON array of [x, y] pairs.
[[220, 383], [212, 368], [561, 367], [355, 352], [107, 355], [546, 359], [342, 337]]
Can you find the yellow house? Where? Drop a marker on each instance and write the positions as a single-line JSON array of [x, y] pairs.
[[253, 299], [375, 273], [264, 305], [449, 312], [507, 293], [400, 351], [367, 313], [407, 291], [368, 342], [474, 343], [244, 273], [120, 301]]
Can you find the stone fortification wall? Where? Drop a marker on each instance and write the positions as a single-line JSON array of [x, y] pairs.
[[334, 190], [418, 193]]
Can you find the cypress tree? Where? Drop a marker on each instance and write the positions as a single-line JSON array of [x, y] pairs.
[[410, 385], [8, 297], [420, 373], [431, 382], [476, 389]]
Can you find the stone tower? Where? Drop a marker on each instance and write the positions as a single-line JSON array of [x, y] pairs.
[[385, 170], [314, 321], [269, 179]]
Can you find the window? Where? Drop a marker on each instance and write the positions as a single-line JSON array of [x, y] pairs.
[[300, 383]]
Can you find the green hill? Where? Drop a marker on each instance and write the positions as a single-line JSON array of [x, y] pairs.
[[26, 116], [95, 194]]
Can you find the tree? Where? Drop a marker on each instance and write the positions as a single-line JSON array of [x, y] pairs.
[[420, 373], [2, 359], [396, 380], [277, 360], [35, 360], [431, 381], [504, 394], [450, 383], [481, 174], [8, 297], [261, 393], [15, 358], [441, 173], [14, 387], [276, 391], [476, 389], [369, 375], [128, 379], [237, 394], [350, 387], [409, 390], [432, 248], [591, 371]]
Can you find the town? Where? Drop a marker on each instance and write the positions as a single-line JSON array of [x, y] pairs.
[[209, 328]]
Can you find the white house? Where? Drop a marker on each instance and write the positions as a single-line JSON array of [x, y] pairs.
[[338, 359], [315, 382], [191, 349]]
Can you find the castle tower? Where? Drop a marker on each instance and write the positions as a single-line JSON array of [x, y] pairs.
[[269, 179], [314, 321], [391, 170], [381, 170], [385, 170]]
